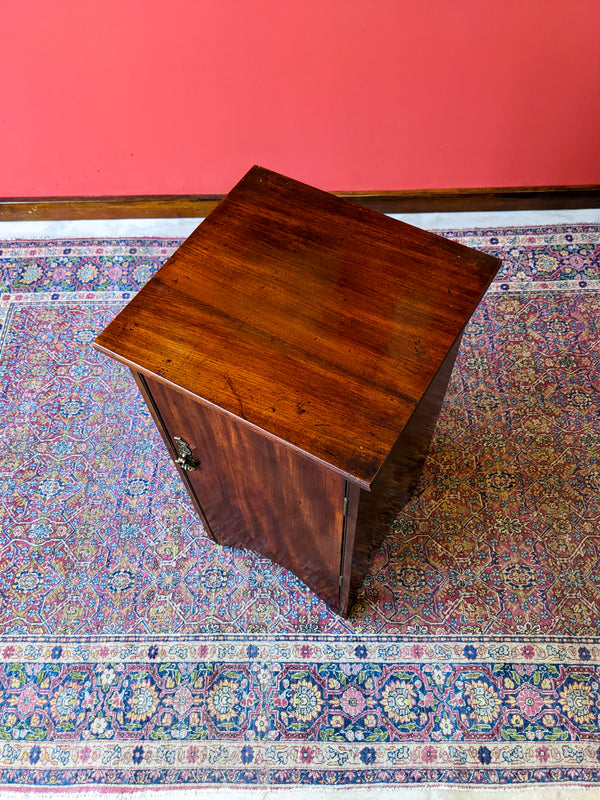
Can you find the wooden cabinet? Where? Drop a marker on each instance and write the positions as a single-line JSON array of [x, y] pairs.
[[294, 353]]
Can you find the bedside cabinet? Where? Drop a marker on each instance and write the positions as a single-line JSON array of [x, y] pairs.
[[294, 353]]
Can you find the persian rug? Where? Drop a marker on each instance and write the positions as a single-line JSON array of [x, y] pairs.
[[136, 653]]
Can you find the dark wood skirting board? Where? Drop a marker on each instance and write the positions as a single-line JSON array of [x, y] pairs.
[[428, 200]]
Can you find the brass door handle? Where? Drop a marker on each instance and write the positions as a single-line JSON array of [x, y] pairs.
[[186, 459]]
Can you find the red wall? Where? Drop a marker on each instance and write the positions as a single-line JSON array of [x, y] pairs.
[[146, 97]]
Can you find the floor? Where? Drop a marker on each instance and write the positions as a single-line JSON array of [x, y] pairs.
[[183, 227]]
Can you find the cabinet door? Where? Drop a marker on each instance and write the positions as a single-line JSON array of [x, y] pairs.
[[256, 492]]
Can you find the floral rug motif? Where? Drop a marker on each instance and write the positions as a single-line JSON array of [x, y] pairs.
[[136, 652]]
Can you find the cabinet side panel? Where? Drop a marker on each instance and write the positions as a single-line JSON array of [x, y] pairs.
[[399, 476], [259, 494]]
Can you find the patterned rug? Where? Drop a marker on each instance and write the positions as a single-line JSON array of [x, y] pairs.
[[137, 653]]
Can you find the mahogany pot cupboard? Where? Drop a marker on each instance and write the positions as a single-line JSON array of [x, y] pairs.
[[294, 353]]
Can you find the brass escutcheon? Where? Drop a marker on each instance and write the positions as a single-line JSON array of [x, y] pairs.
[[186, 459]]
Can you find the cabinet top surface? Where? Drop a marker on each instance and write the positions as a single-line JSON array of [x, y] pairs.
[[314, 319]]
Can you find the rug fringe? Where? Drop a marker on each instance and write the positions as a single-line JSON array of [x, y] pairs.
[[528, 792]]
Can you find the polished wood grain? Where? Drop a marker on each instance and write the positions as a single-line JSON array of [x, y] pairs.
[[391, 202], [256, 493], [316, 321]]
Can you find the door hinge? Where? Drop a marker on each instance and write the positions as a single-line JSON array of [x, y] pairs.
[[345, 511], [341, 581]]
